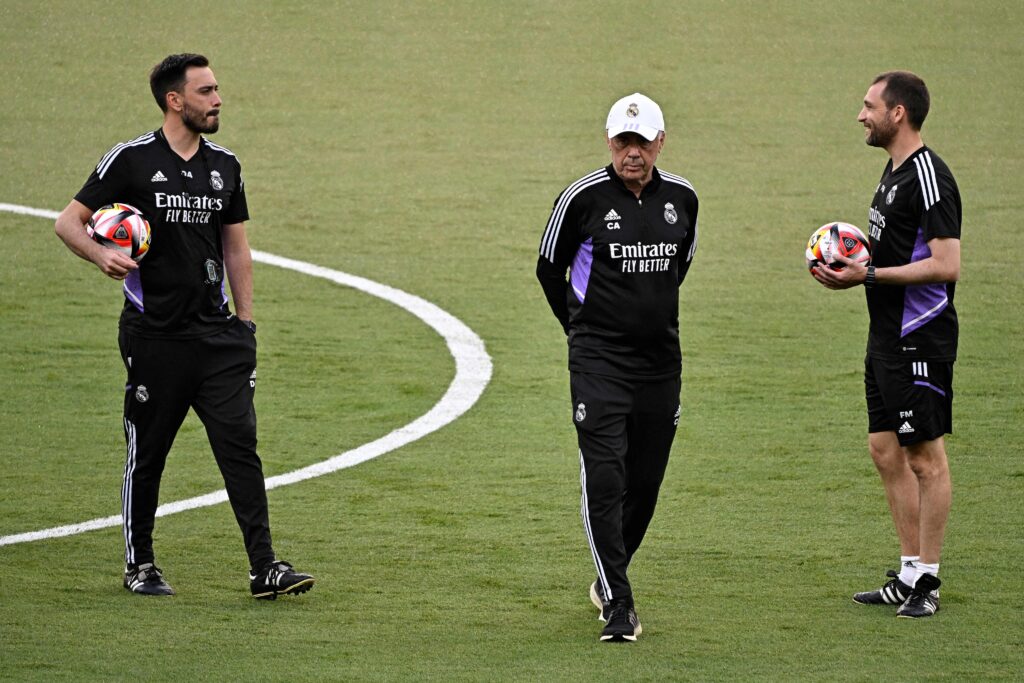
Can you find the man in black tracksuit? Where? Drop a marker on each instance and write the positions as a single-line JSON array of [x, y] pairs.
[[626, 234], [181, 345]]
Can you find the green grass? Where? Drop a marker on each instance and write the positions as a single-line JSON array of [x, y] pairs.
[[421, 145]]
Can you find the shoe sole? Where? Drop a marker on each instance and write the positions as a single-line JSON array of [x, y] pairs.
[[155, 595], [596, 599], [623, 638], [169, 591], [300, 587], [916, 616]]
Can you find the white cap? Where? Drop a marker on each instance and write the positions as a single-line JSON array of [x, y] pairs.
[[635, 113]]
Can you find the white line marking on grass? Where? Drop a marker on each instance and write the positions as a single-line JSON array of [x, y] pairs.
[[472, 373]]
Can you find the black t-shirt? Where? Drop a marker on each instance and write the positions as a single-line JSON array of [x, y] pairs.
[[178, 292], [626, 258], [914, 204]]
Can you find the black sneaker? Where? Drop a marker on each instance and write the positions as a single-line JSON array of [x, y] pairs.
[[600, 601], [623, 624], [894, 592], [146, 579], [923, 600], [278, 578]]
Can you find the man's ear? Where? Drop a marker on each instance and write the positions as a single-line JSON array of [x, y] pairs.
[[174, 100]]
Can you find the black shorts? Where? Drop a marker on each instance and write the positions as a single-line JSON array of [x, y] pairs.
[[913, 398]]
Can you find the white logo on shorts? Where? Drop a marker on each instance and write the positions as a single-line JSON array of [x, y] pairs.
[[675, 421], [581, 412], [142, 394], [906, 428]]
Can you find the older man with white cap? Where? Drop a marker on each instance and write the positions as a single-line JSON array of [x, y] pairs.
[[625, 234]]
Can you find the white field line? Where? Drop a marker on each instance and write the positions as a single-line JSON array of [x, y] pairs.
[[472, 373]]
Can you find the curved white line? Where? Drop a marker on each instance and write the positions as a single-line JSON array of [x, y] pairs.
[[472, 373]]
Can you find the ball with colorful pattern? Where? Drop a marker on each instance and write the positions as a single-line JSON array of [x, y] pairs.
[[834, 239], [122, 227]]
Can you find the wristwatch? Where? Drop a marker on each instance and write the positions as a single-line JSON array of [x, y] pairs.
[[869, 278], [251, 325]]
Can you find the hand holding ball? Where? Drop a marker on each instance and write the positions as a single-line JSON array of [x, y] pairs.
[[121, 227]]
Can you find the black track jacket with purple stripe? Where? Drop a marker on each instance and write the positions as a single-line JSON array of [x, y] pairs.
[[626, 258], [914, 204]]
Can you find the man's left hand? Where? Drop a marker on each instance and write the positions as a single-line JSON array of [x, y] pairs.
[[851, 275]]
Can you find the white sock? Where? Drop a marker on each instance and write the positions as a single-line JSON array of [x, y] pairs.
[[908, 569], [923, 568]]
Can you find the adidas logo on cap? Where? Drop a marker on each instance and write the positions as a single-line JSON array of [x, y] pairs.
[[612, 216], [906, 428], [158, 177]]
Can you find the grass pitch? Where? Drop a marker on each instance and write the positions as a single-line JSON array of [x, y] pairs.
[[421, 145]]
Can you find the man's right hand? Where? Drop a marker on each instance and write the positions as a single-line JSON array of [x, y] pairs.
[[114, 263], [70, 227]]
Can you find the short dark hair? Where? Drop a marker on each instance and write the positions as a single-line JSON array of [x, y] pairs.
[[169, 75], [906, 88]]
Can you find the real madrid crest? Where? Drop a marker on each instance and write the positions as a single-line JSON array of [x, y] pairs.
[[632, 111], [216, 182], [892, 195], [581, 412], [670, 214], [142, 394]]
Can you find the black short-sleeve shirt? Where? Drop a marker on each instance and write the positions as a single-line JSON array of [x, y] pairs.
[[179, 289], [913, 204]]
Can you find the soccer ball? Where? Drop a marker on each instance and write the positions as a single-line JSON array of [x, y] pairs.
[[837, 238], [121, 227]]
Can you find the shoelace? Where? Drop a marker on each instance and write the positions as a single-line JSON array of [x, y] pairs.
[[619, 613], [148, 573]]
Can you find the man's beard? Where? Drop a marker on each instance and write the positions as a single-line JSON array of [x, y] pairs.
[[882, 134], [197, 121]]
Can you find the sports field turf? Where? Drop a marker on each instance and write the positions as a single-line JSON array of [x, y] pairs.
[[420, 145]]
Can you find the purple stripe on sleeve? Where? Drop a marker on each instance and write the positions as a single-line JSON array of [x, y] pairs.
[[921, 303], [133, 290], [579, 273], [930, 386]]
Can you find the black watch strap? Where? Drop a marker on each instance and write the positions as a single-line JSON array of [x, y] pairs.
[[869, 278], [250, 324]]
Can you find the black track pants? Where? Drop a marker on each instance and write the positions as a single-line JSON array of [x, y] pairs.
[[625, 430], [215, 376]]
